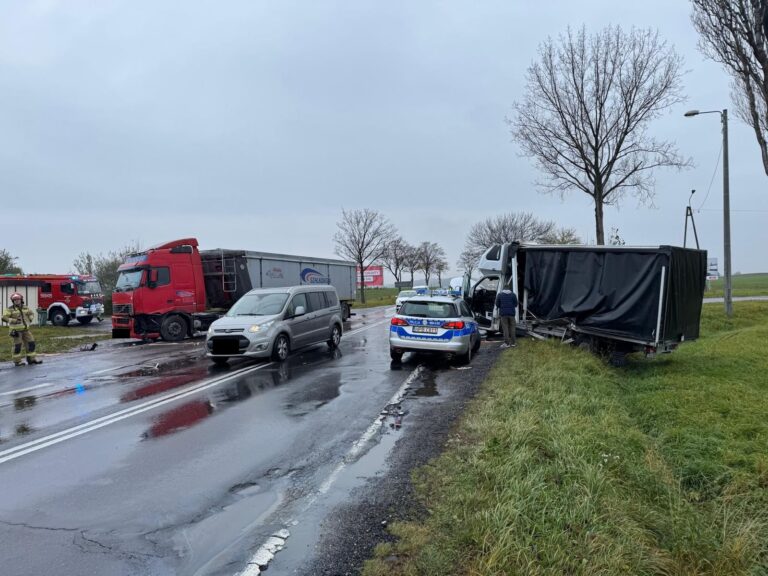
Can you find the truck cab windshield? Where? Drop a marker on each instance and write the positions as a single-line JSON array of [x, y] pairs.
[[264, 304], [129, 280]]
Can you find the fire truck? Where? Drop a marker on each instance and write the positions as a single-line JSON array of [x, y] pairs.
[[65, 297]]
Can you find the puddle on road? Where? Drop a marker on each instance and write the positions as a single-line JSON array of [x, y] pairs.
[[25, 402]]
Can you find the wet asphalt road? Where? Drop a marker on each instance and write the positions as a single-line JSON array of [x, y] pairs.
[[146, 459]]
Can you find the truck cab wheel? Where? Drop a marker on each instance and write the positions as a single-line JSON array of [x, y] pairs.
[[281, 349], [59, 317], [173, 328], [85, 320]]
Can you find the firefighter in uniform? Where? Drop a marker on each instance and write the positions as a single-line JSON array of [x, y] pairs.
[[19, 317]]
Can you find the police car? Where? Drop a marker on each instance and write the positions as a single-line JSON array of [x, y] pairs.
[[434, 324]]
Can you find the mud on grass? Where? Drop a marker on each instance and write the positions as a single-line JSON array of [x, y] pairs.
[[563, 465]]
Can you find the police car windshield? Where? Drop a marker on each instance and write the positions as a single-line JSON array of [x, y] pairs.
[[427, 309], [129, 280], [261, 304]]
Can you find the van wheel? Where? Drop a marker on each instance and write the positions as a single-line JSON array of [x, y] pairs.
[[85, 320], [281, 349], [476, 346], [396, 356], [173, 328], [59, 317], [335, 339]]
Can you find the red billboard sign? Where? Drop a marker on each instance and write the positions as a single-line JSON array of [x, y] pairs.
[[374, 276]]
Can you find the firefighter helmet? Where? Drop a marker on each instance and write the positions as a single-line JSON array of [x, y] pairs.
[[16, 296]]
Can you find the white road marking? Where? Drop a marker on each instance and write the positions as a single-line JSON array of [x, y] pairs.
[[261, 558], [20, 390], [50, 440]]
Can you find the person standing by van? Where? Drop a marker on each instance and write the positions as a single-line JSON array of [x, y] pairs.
[[506, 302]]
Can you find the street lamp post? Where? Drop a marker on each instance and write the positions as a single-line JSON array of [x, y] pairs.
[[726, 208]]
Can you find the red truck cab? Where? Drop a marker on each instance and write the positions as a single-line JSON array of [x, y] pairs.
[[158, 291]]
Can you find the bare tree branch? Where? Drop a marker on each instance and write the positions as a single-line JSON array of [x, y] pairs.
[[735, 33]]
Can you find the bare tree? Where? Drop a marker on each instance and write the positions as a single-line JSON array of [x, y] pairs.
[[735, 34], [561, 236], [515, 226], [441, 266], [104, 268], [467, 261], [585, 116], [394, 258], [363, 236], [429, 254], [411, 261], [8, 263]]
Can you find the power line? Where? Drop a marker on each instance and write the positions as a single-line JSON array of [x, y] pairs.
[[717, 165]]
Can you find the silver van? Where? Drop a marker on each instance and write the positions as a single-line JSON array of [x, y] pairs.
[[270, 322]]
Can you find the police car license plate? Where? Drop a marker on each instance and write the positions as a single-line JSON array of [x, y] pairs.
[[425, 329]]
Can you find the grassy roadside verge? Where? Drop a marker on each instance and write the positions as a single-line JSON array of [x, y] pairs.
[[52, 339], [742, 285], [377, 297], [565, 466]]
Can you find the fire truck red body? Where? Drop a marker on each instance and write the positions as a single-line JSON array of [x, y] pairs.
[[66, 297]]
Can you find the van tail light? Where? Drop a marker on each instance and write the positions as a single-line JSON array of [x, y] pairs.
[[453, 325], [398, 322]]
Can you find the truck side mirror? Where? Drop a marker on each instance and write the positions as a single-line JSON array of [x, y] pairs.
[[300, 311]]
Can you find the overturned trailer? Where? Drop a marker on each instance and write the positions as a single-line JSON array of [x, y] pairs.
[[615, 299]]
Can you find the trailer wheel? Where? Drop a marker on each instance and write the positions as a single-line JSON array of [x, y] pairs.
[[85, 320], [173, 328], [335, 338], [59, 317], [281, 349], [345, 312]]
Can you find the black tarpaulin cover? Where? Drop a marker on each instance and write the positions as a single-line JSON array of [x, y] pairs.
[[615, 291]]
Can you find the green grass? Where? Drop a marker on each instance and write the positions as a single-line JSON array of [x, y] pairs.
[[50, 339], [741, 285], [377, 297], [563, 465]]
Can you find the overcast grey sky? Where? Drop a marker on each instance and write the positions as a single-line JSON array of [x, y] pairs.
[[250, 124]]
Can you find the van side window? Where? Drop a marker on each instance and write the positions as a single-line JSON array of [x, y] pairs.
[[298, 300], [330, 296], [163, 276], [46, 288], [316, 301]]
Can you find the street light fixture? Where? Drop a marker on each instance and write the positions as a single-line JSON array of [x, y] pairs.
[[726, 206]]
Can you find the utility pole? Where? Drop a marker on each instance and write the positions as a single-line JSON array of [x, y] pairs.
[[728, 292], [726, 218]]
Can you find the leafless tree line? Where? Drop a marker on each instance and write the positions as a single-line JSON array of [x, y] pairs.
[[367, 237]]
